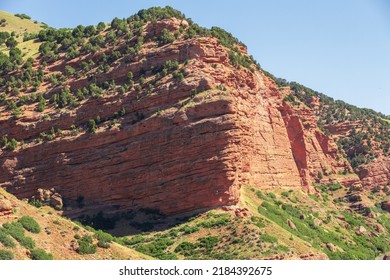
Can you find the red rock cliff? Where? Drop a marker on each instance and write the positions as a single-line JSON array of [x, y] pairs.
[[181, 146]]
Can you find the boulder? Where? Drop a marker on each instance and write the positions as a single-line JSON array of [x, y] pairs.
[[361, 231], [56, 201], [43, 195], [317, 222], [379, 228], [5, 207], [331, 247], [291, 225]]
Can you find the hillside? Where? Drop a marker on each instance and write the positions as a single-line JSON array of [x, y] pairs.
[[22, 27], [20, 24], [58, 237], [172, 138], [272, 225]]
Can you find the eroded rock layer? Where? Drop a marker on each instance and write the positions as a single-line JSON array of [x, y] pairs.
[[182, 145]]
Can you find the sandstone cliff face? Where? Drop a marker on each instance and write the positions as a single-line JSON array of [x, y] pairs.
[[314, 152], [181, 146], [375, 173]]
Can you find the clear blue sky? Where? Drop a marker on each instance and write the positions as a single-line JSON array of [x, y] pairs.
[[340, 48]]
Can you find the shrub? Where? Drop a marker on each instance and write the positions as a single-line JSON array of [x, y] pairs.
[[285, 194], [104, 239], [41, 105], [238, 59], [259, 222], [23, 16], [189, 229], [30, 224], [186, 248], [36, 203], [86, 239], [156, 248], [208, 242], [86, 248], [133, 241], [40, 254], [16, 230], [92, 126], [6, 255], [6, 240], [104, 245], [335, 187], [166, 37]]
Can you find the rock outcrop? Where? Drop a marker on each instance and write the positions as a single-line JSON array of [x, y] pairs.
[[375, 173], [182, 145], [5, 206]]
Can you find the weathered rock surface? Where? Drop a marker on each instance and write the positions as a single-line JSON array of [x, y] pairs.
[[331, 247], [314, 152], [361, 231], [291, 225], [188, 151], [5, 206], [375, 173]]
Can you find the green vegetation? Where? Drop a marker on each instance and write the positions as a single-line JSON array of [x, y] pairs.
[[30, 224], [353, 246], [6, 240], [23, 16], [6, 255], [330, 187], [104, 239], [92, 126], [16, 230], [157, 249], [40, 254], [86, 247]]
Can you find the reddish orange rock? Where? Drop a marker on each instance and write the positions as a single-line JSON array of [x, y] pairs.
[[183, 146]]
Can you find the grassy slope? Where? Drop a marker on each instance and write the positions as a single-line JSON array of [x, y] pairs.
[[265, 233], [57, 234], [18, 25], [21, 26]]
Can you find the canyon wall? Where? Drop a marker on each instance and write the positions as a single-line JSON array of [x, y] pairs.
[[181, 146]]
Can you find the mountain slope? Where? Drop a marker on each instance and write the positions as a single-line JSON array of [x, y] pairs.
[[151, 119], [147, 87], [56, 235], [18, 24]]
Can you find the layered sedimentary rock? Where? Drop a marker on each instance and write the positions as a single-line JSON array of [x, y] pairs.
[[181, 146], [375, 173]]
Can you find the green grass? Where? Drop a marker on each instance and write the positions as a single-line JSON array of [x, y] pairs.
[[18, 25]]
